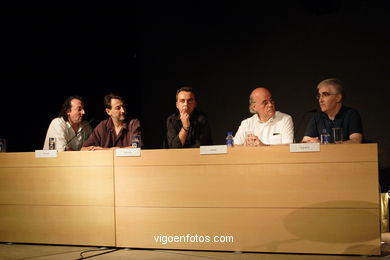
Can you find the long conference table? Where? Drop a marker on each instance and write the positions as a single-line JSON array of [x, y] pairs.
[[262, 199]]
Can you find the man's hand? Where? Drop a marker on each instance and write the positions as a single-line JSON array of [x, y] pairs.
[[308, 139], [93, 148], [253, 140], [185, 118]]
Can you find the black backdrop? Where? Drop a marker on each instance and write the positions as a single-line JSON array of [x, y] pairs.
[[147, 52]]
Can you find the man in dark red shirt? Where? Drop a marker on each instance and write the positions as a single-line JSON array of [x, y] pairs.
[[115, 132]]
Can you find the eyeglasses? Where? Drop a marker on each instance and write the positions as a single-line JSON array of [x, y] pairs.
[[324, 94], [269, 101]]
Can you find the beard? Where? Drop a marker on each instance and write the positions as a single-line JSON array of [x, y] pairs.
[[122, 118]]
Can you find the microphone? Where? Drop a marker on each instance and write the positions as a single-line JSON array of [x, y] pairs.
[[78, 133], [299, 125]]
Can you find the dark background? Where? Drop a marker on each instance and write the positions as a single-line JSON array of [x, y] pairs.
[[148, 51]]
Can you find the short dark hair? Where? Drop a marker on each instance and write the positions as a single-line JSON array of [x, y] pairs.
[[186, 89], [67, 106], [108, 97]]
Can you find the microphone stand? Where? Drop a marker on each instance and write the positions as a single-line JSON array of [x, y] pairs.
[[79, 132]]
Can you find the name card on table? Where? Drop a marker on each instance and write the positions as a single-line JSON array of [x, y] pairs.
[[45, 153], [129, 152], [213, 149], [304, 147]]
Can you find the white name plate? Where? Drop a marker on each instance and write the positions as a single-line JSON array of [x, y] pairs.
[[304, 147], [213, 149], [45, 153], [129, 152]]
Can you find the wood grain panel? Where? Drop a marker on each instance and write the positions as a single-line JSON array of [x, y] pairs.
[[336, 231], [268, 199], [57, 186], [64, 159], [324, 185], [71, 225], [250, 155]]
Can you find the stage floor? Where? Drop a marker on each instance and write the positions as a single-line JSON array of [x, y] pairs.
[[58, 252]]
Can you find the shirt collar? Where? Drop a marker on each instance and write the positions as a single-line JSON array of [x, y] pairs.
[[340, 113], [68, 125], [110, 124], [261, 122]]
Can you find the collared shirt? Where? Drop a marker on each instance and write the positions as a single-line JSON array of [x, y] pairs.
[[198, 134], [63, 132], [279, 129], [347, 118], [104, 134]]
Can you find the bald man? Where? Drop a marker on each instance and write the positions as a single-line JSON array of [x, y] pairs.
[[267, 126]]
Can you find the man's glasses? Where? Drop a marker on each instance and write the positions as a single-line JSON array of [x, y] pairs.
[[269, 101], [324, 94]]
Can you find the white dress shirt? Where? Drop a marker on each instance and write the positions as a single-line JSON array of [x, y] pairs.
[[277, 130], [63, 132]]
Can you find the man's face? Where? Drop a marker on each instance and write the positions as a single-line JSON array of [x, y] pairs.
[[118, 110], [328, 98], [186, 102], [264, 104], [76, 111]]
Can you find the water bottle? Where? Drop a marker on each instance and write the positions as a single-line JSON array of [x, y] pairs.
[[136, 141], [229, 140], [325, 137], [52, 143]]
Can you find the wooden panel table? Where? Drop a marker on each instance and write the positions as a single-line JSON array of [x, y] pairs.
[[266, 199], [63, 200], [256, 199]]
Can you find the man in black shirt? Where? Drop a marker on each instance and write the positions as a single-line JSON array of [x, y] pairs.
[[188, 127], [334, 115]]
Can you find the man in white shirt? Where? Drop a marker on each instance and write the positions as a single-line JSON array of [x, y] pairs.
[[266, 126], [69, 129]]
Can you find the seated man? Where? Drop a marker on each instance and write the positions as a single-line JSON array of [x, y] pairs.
[[334, 115], [69, 129], [266, 126], [116, 131], [188, 127]]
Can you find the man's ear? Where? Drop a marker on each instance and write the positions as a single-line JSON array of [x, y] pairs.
[[253, 106], [338, 98], [108, 111]]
